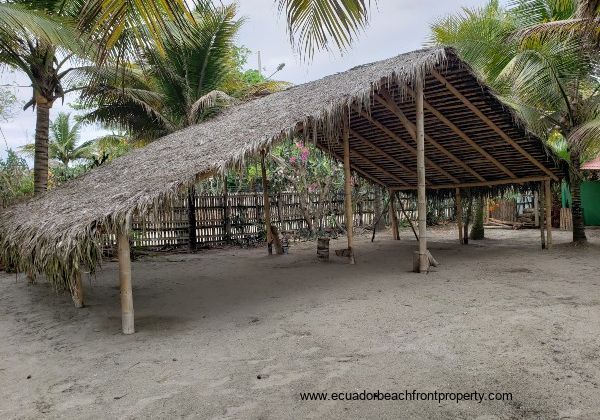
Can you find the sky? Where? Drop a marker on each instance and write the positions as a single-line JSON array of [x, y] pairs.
[[396, 26]]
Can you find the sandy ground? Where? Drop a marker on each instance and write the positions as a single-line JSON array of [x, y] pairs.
[[499, 315]]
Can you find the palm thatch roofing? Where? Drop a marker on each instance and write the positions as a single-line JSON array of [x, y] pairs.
[[472, 140]]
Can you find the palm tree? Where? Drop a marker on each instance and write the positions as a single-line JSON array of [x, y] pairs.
[[63, 145], [548, 80], [39, 38], [175, 87], [49, 32]]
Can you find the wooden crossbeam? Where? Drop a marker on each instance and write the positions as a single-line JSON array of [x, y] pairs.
[[381, 151], [491, 124], [401, 142], [481, 184], [385, 99]]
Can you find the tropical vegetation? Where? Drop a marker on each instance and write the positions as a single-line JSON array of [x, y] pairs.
[[43, 38], [546, 73]]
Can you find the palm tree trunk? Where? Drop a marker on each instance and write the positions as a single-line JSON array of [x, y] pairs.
[[191, 209], [477, 231], [40, 159], [468, 217], [576, 208]]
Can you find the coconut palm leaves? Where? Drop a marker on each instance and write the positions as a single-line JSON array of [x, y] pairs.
[[44, 20], [549, 78], [177, 87], [63, 145], [320, 24], [559, 17], [46, 39], [170, 89]]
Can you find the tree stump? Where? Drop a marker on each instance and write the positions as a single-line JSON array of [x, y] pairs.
[[276, 240], [323, 249]]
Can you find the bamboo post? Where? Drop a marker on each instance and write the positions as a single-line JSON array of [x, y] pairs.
[[77, 289], [548, 194], [536, 209], [192, 224], [423, 259], [459, 217], [393, 218], [542, 215], [267, 204], [127, 318], [226, 213], [348, 191]]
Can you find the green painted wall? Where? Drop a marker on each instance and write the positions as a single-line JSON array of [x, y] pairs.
[[590, 200]]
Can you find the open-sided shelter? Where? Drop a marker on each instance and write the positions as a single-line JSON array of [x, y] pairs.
[[420, 121]]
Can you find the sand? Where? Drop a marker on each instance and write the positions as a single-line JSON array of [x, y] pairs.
[[498, 315]]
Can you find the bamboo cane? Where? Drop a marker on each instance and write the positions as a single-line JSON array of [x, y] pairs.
[[127, 317], [267, 204], [548, 194], [348, 192], [423, 259], [77, 289]]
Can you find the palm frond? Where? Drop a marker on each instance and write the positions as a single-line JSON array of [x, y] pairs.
[[19, 23], [112, 18], [211, 99], [315, 25], [585, 138]]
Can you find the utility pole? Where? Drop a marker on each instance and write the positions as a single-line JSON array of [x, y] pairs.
[[259, 64]]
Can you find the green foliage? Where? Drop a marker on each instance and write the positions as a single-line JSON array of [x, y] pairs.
[[16, 179], [477, 230], [63, 146], [8, 100], [549, 80], [320, 24], [176, 86]]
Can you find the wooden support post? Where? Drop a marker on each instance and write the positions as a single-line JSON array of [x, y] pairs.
[[226, 212], [192, 224], [348, 191], [77, 289], [127, 318], [423, 258], [536, 209], [548, 194], [393, 218], [459, 217], [541, 205], [266, 203]]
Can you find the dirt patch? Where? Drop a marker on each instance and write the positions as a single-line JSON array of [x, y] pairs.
[[236, 334]]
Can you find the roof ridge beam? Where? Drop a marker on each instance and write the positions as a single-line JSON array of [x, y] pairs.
[[491, 124]]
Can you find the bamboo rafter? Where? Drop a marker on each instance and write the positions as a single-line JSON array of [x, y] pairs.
[[385, 99], [401, 142], [490, 123], [462, 134]]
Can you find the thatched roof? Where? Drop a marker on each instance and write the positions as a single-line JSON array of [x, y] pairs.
[[61, 230]]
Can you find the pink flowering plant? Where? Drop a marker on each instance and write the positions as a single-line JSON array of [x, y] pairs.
[[312, 174]]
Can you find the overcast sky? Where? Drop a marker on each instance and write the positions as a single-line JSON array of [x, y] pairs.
[[396, 26]]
